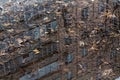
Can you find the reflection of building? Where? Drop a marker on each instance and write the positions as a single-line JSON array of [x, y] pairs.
[[59, 41]]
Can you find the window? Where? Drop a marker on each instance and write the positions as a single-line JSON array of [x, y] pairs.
[[49, 50], [25, 56], [48, 28], [54, 25], [52, 16], [50, 2], [40, 8], [5, 17], [1, 9], [69, 58], [54, 47], [1, 67], [37, 32], [27, 35], [69, 76], [68, 40], [113, 54], [47, 6], [107, 1], [85, 13], [2, 46], [27, 15], [42, 30], [98, 60], [44, 51], [100, 7], [1, 28], [114, 21], [84, 66], [7, 66], [12, 19], [84, 52], [13, 65]]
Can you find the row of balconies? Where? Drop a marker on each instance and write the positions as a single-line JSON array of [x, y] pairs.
[[13, 63], [31, 10], [23, 51], [98, 8]]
